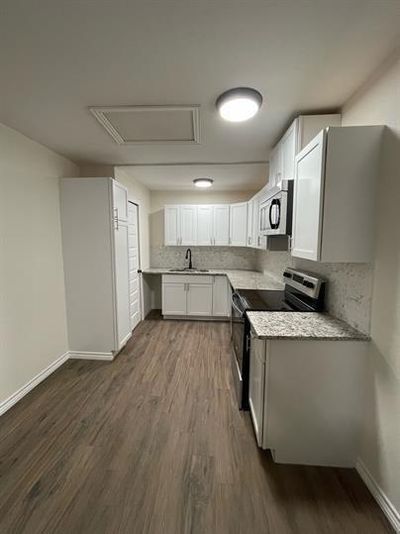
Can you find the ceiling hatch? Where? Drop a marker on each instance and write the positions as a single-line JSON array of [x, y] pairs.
[[131, 125]]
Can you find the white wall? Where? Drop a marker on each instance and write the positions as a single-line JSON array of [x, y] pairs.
[[33, 328], [379, 103]]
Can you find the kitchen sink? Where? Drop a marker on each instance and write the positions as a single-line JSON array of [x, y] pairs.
[[187, 270]]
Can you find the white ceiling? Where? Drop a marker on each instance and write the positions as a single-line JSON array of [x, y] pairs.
[[227, 177], [57, 58]]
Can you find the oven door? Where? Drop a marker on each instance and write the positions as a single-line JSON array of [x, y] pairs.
[[237, 322]]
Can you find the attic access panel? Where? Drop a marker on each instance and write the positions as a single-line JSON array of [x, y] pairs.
[[133, 125]]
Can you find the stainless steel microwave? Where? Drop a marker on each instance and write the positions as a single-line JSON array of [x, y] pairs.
[[275, 216]]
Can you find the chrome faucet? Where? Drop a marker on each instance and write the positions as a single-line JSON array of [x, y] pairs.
[[189, 255]]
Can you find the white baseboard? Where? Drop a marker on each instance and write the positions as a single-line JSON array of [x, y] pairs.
[[104, 356], [387, 507], [20, 393]]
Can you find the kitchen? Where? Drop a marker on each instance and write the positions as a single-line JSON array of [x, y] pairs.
[[209, 284]]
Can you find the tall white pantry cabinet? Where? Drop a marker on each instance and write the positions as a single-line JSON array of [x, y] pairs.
[[94, 218]]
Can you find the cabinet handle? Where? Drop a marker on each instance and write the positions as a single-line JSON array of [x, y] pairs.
[[116, 221]]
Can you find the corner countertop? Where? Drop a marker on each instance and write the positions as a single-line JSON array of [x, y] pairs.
[[300, 325], [239, 278]]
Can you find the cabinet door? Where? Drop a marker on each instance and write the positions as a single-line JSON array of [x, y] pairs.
[[171, 226], [120, 201], [174, 298], [256, 386], [205, 225], [250, 224], [188, 225], [238, 224], [121, 245], [308, 200], [288, 152], [275, 167], [221, 225], [199, 299], [221, 300]]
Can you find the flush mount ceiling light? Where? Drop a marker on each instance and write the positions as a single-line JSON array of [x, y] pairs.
[[203, 182], [239, 104]]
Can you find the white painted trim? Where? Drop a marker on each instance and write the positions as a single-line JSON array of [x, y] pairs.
[[381, 498], [104, 356], [24, 390], [100, 113]]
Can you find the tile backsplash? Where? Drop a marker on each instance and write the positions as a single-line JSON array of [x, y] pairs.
[[349, 284], [204, 257]]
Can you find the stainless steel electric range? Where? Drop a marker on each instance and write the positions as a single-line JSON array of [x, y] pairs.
[[303, 292]]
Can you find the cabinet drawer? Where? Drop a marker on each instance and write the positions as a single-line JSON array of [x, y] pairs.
[[187, 278]]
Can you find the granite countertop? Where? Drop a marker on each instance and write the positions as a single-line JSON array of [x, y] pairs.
[[239, 278], [300, 325]]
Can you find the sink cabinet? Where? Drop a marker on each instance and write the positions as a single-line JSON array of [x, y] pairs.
[[194, 296]]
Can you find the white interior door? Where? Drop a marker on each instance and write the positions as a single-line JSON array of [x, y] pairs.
[[122, 282], [134, 265]]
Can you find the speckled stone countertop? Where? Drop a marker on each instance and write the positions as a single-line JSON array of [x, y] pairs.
[[299, 325], [239, 279]]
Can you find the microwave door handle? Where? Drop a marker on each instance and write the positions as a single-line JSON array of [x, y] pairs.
[[271, 224]]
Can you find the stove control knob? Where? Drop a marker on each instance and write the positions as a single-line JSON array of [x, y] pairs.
[[306, 283]]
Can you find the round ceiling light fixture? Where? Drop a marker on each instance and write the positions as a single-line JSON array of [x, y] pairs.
[[203, 182], [239, 104]]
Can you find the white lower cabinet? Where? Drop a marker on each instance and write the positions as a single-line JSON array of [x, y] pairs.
[[199, 299], [257, 386], [195, 295], [221, 297], [174, 298], [306, 399]]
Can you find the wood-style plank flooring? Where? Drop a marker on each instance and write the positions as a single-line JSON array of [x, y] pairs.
[[154, 443]]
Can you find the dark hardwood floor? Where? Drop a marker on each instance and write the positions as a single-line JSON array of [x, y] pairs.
[[154, 443]]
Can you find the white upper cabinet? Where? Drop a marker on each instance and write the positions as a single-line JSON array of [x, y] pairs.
[[334, 195], [205, 225], [297, 136], [188, 223], [308, 203], [120, 201], [172, 227], [250, 205], [221, 224], [238, 226], [275, 167], [288, 152]]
